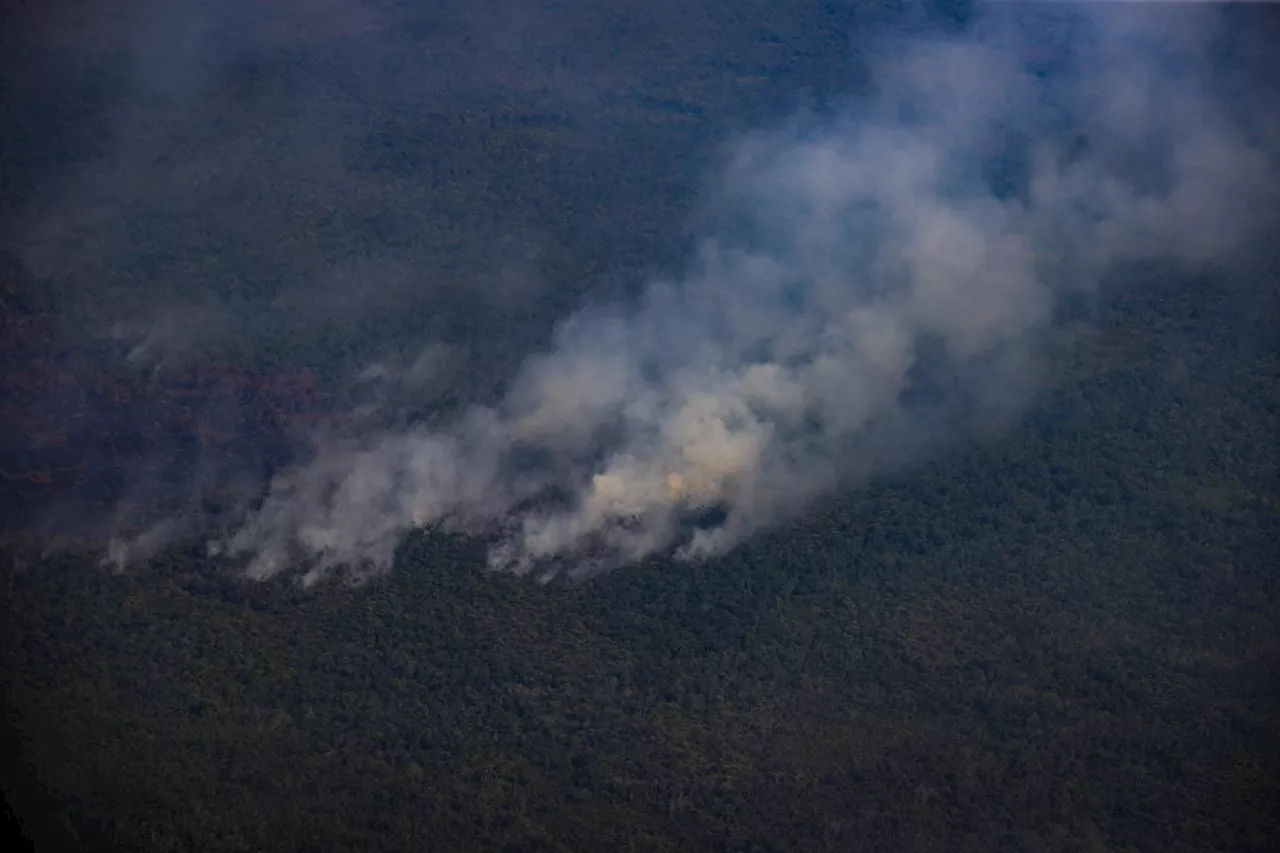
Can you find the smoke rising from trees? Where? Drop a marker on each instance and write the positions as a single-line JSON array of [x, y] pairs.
[[870, 283]]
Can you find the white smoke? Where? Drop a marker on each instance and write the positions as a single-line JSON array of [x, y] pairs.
[[864, 292]]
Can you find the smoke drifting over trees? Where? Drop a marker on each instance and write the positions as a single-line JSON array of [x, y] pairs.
[[871, 281], [866, 289]]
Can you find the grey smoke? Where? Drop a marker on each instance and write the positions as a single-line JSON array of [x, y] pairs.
[[866, 290]]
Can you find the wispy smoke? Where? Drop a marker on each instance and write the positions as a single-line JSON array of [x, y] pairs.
[[872, 282]]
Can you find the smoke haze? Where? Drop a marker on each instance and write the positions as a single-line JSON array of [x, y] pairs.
[[865, 289], [868, 281]]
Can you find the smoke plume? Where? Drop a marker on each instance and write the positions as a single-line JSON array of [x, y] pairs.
[[871, 280]]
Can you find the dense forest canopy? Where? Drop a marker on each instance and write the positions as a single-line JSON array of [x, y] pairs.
[[232, 227]]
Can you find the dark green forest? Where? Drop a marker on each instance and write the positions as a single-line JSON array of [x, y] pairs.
[[1063, 635], [1064, 638]]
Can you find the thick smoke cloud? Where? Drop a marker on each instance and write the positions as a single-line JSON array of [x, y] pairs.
[[871, 282], [199, 198]]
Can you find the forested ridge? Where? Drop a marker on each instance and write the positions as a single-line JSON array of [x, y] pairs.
[[1060, 638]]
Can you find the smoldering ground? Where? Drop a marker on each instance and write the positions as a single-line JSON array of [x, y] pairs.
[[871, 281], [874, 283], [271, 187]]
